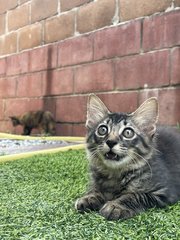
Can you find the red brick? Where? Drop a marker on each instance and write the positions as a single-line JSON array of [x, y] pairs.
[[18, 17], [43, 9], [59, 27], [2, 66], [7, 87], [161, 31], [120, 102], [75, 51], [8, 43], [34, 104], [177, 3], [29, 85], [22, 105], [175, 66], [13, 65], [7, 5], [6, 126], [17, 64], [95, 15], [71, 109], [117, 41], [79, 130], [17, 130], [23, 1], [43, 58], [58, 82], [148, 93], [94, 77], [30, 36], [63, 129], [169, 102], [147, 70], [49, 104], [2, 24], [67, 5], [132, 9], [169, 105], [1, 109]]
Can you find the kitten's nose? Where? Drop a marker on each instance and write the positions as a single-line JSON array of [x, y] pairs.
[[111, 143]]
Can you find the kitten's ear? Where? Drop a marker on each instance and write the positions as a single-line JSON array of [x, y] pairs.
[[146, 116], [96, 111]]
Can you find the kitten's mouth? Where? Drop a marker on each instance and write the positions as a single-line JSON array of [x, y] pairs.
[[112, 156]]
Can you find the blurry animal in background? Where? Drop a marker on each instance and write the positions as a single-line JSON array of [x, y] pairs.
[[42, 120]]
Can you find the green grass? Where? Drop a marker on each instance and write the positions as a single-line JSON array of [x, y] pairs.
[[37, 202]]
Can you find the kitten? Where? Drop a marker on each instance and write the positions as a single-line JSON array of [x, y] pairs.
[[134, 165], [43, 120]]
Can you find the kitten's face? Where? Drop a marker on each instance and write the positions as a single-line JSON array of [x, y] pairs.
[[119, 139], [116, 141]]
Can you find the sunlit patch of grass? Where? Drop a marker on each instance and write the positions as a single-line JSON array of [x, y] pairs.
[[37, 202]]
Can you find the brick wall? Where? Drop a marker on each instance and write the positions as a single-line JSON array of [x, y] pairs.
[[53, 53]]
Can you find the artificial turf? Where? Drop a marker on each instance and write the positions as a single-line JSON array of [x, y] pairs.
[[37, 202]]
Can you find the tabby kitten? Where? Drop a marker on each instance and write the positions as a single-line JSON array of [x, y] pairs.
[[43, 120], [134, 165]]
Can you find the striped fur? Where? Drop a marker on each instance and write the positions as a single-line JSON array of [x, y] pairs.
[[133, 165]]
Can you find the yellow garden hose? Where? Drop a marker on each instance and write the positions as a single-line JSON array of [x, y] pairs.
[[21, 137], [79, 140]]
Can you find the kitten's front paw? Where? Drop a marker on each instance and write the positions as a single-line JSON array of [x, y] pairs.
[[89, 202], [113, 211]]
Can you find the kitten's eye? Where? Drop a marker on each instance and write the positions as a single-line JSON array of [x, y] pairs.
[[128, 133], [102, 130]]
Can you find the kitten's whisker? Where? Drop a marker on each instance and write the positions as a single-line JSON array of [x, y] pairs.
[[134, 160], [123, 147], [156, 150], [137, 155]]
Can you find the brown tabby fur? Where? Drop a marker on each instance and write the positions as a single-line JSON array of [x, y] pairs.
[[43, 120]]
